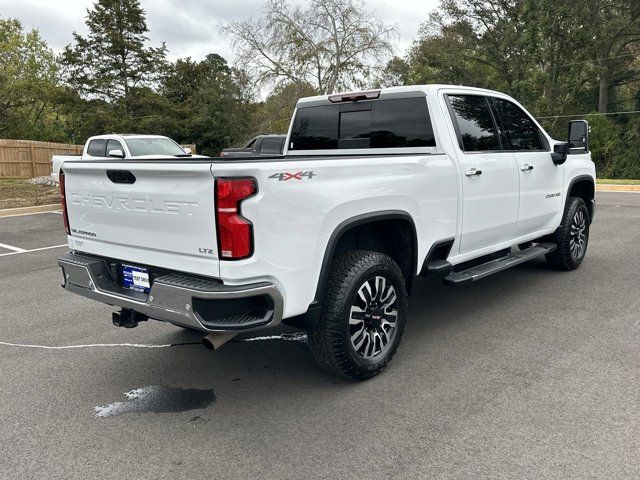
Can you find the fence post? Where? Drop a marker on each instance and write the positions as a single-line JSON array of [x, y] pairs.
[[33, 160]]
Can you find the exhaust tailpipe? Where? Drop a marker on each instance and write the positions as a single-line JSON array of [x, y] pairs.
[[215, 340]]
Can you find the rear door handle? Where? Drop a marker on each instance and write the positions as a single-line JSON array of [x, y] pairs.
[[526, 167], [473, 172]]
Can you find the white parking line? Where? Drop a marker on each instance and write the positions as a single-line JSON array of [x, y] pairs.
[[14, 249], [30, 213], [18, 251]]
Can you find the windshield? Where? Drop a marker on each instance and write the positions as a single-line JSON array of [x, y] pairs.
[[153, 146]]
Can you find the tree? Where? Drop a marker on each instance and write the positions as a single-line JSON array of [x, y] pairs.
[[209, 103], [615, 28], [274, 114], [113, 59], [328, 45], [535, 50], [28, 82]]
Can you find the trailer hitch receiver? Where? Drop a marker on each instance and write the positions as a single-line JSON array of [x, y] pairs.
[[128, 318]]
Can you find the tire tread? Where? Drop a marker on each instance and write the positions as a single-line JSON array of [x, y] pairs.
[[326, 341]]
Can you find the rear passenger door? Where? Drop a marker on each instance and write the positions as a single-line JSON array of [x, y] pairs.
[[540, 179], [489, 175]]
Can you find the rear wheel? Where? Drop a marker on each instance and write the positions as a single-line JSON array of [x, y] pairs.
[[363, 315], [572, 237]]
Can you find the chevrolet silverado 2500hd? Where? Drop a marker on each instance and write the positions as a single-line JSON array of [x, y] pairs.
[[374, 190]]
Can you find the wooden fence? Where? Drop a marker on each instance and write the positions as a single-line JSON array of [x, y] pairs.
[[29, 158]]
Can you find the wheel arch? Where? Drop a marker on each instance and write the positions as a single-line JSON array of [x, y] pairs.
[[334, 246], [583, 186]]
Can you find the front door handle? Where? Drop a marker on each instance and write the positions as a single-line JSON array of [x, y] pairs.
[[473, 172], [526, 167]]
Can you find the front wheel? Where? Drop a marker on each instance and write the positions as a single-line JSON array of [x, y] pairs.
[[363, 315], [572, 237]]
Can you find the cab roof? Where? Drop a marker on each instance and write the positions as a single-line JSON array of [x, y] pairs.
[[389, 92]]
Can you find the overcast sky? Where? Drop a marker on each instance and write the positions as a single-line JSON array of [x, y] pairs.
[[191, 27]]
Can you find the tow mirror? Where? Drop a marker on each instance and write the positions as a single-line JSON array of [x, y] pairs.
[[116, 153], [560, 151], [578, 136]]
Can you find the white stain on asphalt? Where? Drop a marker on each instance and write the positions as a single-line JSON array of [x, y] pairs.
[[287, 337], [158, 399], [97, 345]]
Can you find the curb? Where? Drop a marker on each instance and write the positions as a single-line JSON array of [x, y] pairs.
[[12, 212], [617, 188]]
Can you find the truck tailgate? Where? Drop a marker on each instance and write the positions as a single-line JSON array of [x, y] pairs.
[[151, 213]]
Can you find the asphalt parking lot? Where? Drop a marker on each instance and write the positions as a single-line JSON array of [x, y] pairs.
[[531, 373]]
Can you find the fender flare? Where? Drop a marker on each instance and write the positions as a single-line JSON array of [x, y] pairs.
[[577, 179], [310, 318]]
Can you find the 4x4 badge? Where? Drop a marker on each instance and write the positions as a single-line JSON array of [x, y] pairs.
[[284, 176]]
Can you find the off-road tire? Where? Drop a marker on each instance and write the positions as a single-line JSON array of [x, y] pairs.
[[563, 258], [331, 340]]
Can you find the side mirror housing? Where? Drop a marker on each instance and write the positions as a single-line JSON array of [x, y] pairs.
[[187, 150], [578, 136], [560, 151], [116, 153]]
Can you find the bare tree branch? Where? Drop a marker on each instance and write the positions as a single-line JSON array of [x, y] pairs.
[[327, 45]]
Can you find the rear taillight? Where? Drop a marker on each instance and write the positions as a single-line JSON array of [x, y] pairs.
[[63, 201], [235, 233]]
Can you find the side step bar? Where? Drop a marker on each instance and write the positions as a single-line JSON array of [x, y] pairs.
[[478, 272]]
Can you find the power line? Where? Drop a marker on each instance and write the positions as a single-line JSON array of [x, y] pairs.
[[589, 114]]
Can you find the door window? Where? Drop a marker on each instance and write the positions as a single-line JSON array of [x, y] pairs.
[[96, 148], [114, 145], [519, 130], [475, 125], [272, 146]]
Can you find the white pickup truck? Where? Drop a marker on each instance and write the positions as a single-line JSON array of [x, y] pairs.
[[374, 190], [125, 146]]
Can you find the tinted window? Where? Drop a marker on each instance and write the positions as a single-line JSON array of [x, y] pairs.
[[520, 131], [96, 148], [139, 146], [402, 122], [475, 123], [272, 146], [315, 128], [114, 145]]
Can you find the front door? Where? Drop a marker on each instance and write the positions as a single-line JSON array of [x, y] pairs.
[[490, 187], [540, 179]]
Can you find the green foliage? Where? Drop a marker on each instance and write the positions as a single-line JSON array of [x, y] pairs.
[[28, 82], [541, 53], [113, 58], [557, 57], [209, 103], [274, 114]]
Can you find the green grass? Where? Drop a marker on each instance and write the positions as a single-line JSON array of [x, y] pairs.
[[610, 181], [20, 193]]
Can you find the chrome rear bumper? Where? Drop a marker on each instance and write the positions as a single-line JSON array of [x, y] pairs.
[[203, 304]]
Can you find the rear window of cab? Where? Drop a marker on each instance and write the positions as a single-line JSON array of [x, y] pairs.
[[393, 123]]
